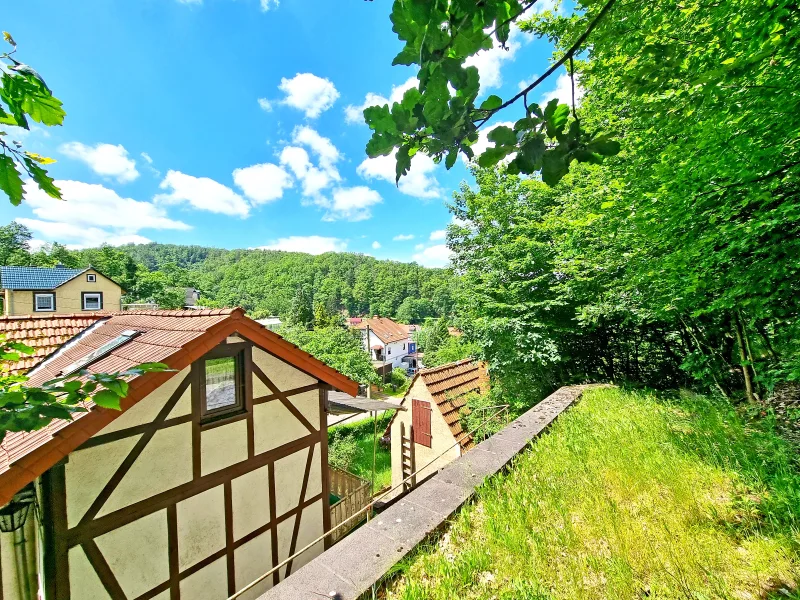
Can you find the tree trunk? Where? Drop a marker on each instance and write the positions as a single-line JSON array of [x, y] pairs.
[[748, 383]]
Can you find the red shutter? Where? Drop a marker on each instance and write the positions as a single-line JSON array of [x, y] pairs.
[[421, 422]]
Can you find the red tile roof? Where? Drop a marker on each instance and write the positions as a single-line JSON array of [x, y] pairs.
[[43, 333], [449, 385], [386, 329], [176, 338]]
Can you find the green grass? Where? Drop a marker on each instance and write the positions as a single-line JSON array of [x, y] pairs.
[[628, 496], [359, 458]]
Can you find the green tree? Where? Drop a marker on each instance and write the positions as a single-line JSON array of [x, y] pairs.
[[302, 313], [14, 244], [337, 347], [414, 310]]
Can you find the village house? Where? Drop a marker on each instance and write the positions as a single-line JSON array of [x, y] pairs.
[[430, 425], [210, 475], [57, 290], [387, 342]]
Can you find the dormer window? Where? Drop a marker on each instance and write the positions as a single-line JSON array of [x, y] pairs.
[[45, 302]]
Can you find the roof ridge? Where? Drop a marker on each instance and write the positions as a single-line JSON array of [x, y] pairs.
[[438, 368], [29, 317]]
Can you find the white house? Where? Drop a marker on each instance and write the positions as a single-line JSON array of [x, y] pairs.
[[388, 341]]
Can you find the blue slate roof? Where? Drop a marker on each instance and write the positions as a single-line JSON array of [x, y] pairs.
[[36, 278]]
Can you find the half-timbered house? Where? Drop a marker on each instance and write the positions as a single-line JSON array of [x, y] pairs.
[[209, 476]]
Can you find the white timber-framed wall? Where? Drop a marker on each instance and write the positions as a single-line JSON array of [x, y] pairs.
[[161, 505]]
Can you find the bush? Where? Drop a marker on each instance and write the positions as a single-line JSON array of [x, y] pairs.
[[342, 450], [399, 379]]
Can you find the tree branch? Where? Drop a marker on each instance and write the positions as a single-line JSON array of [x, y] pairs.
[[574, 48]]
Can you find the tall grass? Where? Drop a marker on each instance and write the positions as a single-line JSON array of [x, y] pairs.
[[628, 496]]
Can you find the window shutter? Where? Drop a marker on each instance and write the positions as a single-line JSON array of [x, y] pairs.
[[421, 422]]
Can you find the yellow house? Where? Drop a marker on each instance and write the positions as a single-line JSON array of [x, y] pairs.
[[57, 290]]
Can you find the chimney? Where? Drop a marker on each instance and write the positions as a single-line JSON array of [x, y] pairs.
[[60, 266]]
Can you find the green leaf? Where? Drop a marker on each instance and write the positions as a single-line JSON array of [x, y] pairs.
[[452, 156], [107, 399], [554, 167], [556, 116], [604, 145], [503, 136], [493, 102], [54, 411], [72, 386], [381, 144], [403, 163], [379, 118], [40, 176], [118, 386], [10, 180]]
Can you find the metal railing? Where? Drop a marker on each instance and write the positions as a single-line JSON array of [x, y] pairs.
[[367, 509]]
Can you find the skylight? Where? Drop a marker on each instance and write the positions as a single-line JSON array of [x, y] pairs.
[[104, 350]]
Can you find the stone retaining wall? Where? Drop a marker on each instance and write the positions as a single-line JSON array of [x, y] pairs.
[[349, 568]]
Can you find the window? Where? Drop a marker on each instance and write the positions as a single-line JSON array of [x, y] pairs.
[[389, 350], [44, 302], [91, 277], [104, 350], [404, 346], [223, 384], [92, 300], [421, 422]]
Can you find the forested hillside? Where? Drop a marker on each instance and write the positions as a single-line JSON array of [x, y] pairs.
[[263, 282]]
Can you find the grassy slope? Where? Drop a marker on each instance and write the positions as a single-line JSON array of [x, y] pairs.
[[627, 497]]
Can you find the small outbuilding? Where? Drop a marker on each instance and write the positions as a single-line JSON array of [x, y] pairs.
[[431, 425]]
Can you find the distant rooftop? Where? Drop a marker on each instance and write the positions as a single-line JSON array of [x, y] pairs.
[[36, 278]]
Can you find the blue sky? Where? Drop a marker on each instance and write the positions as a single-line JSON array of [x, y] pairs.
[[235, 123]]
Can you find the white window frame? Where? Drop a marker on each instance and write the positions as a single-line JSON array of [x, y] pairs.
[[49, 295], [91, 277], [96, 295]]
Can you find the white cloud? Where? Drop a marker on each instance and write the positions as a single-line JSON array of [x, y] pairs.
[[201, 193], [490, 62], [314, 178], [262, 183], [190, 1], [75, 237], [308, 93], [149, 165], [104, 159], [267, 4], [433, 256], [439, 234], [91, 214], [349, 204], [419, 246], [563, 90], [265, 104], [419, 182], [147, 158], [309, 244], [376, 245], [403, 237], [483, 140], [321, 146], [355, 114]]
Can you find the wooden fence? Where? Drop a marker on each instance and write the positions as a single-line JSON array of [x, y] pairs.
[[354, 494]]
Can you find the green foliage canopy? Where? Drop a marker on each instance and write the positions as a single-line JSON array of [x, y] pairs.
[[441, 116]]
